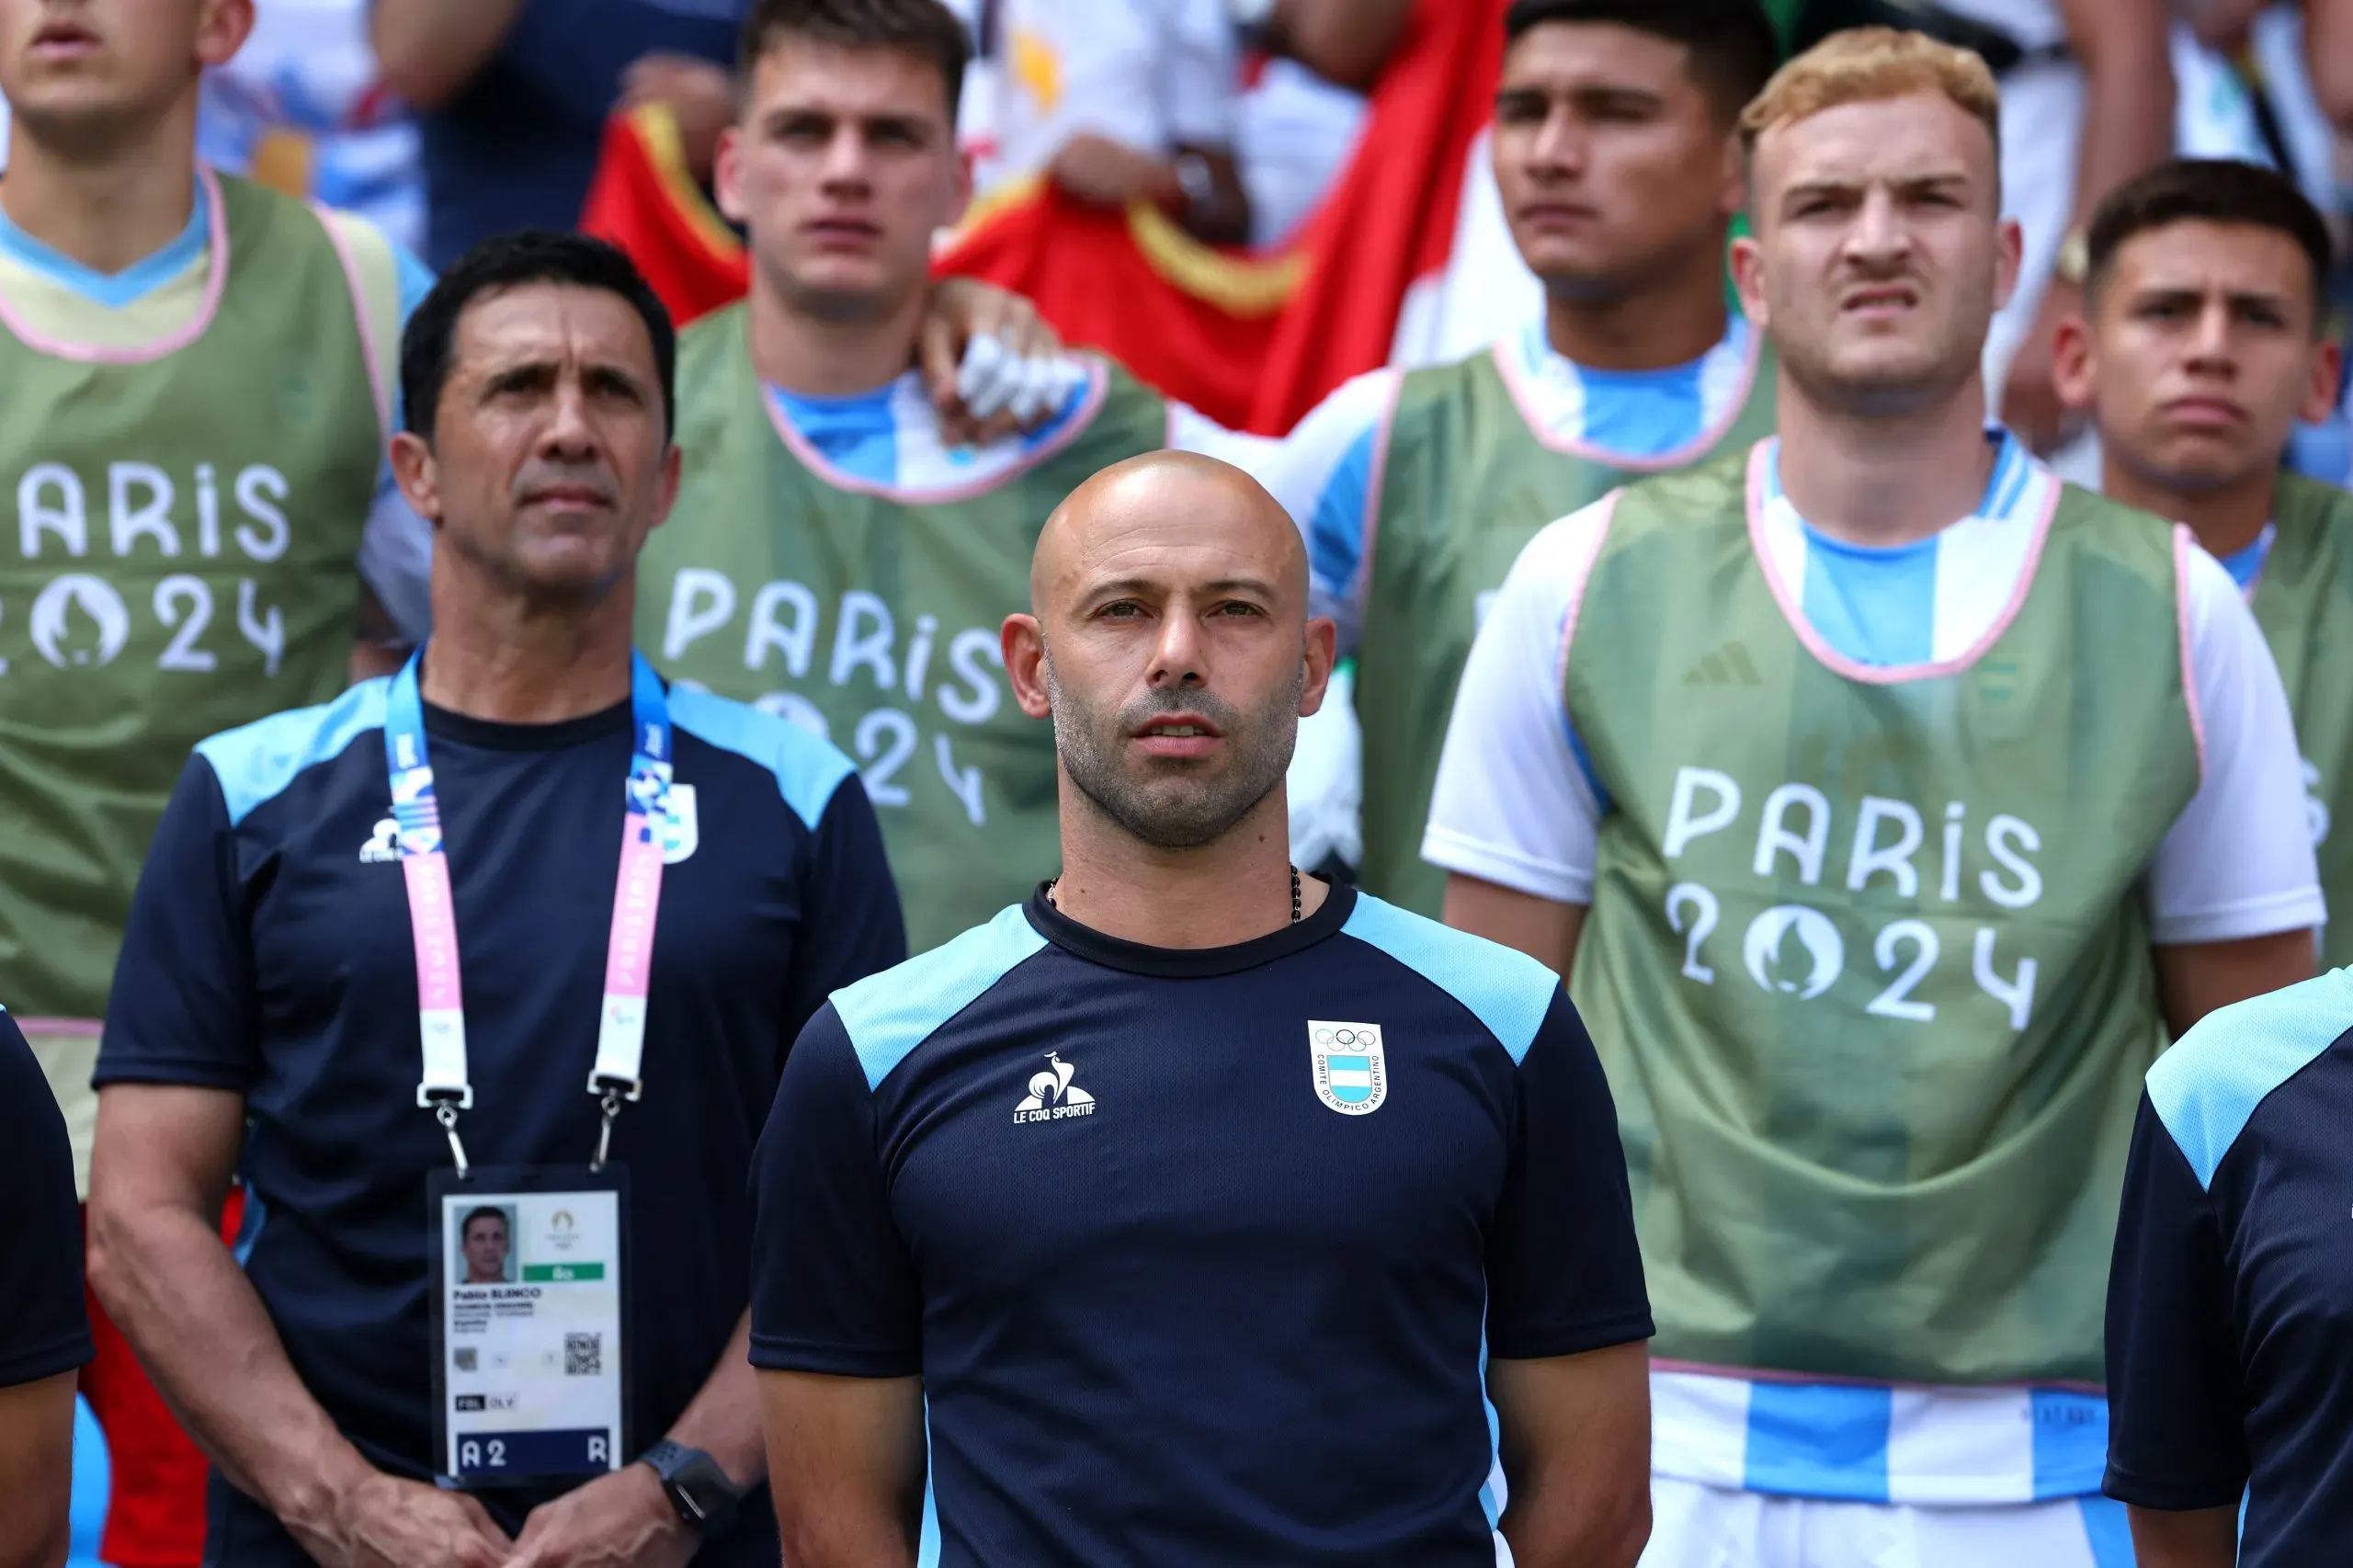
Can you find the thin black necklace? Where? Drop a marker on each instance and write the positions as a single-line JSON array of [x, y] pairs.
[[1294, 894]]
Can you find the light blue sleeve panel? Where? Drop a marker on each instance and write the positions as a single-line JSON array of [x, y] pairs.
[[808, 771], [890, 1013], [256, 762], [2207, 1088], [1505, 990], [1323, 473]]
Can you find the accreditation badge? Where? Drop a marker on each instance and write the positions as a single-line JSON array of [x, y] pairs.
[[528, 1300]]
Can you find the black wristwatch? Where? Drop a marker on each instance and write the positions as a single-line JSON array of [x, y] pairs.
[[698, 1488]]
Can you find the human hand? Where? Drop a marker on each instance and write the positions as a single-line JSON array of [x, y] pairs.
[[699, 94], [383, 1521], [2030, 405], [1112, 174], [622, 1520], [991, 362]]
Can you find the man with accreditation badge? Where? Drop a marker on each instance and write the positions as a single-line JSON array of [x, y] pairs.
[[492, 1267]]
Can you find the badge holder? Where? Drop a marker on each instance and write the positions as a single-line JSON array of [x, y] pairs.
[[529, 1298]]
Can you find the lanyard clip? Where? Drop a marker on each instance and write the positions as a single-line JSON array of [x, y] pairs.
[[610, 1092], [445, 1111]]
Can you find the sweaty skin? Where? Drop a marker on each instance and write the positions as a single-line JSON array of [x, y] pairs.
[[1141, 491]]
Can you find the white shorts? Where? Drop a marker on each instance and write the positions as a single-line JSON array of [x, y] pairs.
[[1694, 1526]]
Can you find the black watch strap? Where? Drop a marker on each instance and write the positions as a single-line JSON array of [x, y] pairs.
[[698, 1488]]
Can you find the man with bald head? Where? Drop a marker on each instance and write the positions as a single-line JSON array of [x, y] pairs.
[[1063, 1216]]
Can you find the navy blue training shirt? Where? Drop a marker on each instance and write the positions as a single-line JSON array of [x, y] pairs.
[[2229, 1309], [517, 146], [268, 952], [1171, 1302], [44, 1326]]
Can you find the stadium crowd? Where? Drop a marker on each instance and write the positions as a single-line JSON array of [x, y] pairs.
[[1740, 610]]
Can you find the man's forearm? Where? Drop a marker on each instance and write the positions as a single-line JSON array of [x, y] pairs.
[[426, 50], [2127, 110], [723, 1420], [2199, 1538], [211, 1350]]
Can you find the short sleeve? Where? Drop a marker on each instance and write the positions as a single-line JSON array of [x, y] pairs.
[[2176, 1406], [1515, 803], [855, 926], [2238, 862], [44, 1325], [1564, 1271], [834, 1288], [182, 1006]]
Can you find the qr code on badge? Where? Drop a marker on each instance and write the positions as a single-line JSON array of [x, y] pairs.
[[584, 1355]]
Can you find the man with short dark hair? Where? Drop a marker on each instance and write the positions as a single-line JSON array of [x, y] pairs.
[[485, 1242], [1618, 158], [837, 557], [2204, 340], [382, 1090], [1065, 1219]]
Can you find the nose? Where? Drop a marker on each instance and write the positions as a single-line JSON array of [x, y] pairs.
[[1178, 653], [2210, 343], [1879, 237], [845, 162], [1562, 146], [569, 434]]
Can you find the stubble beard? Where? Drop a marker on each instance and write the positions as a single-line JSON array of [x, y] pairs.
[[1179, 809]]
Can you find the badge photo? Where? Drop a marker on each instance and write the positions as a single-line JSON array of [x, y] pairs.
[[1350, 1071]]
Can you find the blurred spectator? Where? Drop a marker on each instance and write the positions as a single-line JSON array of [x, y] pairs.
[[1302, 103], [2204, 342], [300, 110], [1117, 101], [512, 97]]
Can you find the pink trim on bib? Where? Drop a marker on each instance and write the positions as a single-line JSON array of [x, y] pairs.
[[2184, 541], [371, 353], [1375, 480], [1873, 674], [1578, 581], [61, 1029], [1683, 456], [1099, 391], [207, 187]]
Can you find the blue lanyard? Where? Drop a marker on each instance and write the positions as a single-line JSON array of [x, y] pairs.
[[441, 1017]]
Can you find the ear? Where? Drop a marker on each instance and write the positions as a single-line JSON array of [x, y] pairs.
[[2009, 245], [2073, 366], [1733, 196], [727, 176], [417, 474], [221, 29], [960, 199], [2326, 364], [1023, 641], [1323, 641], [1748, 277]]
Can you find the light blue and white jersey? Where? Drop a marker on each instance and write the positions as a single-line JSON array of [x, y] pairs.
[[1329, 465], [1517, 804], [887, 440], [2246, 563], [396, 551]]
